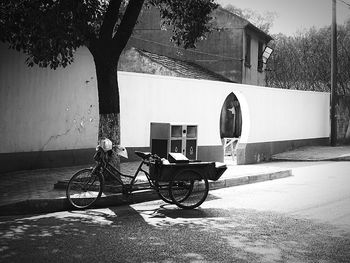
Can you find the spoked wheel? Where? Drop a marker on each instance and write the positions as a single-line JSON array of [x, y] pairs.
[[188, 189], [84, 188], [163, 192]]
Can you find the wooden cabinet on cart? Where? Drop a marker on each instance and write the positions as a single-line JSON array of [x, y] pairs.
[[172, 137]]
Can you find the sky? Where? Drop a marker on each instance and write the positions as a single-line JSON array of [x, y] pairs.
[[295, 15]]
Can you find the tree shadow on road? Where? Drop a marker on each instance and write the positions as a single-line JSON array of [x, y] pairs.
[[154, 233]]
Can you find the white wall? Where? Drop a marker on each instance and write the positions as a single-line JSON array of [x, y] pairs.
[[43, 109], [268, 114], [278, 115], [150, 98]]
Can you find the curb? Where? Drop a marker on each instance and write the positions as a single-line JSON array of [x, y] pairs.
[[280, 157], [37, 206]]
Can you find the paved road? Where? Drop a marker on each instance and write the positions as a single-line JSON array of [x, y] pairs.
[[300, 219], [318, 190]]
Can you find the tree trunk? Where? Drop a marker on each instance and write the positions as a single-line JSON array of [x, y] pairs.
[[106, 51], [108, 98]]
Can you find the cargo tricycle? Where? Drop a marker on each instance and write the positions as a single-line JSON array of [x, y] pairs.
[[184, 183]]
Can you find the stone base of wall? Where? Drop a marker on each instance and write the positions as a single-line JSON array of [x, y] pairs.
[[211, 153], [260, 152], [48, 159], [246, 154], [10, 162]]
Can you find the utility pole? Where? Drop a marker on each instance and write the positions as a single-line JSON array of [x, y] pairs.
[[333, 76]]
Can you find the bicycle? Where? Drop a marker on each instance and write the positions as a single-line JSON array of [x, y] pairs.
[[185, 185]]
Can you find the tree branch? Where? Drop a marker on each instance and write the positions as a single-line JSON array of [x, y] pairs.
[[110, 19], [128, 23]]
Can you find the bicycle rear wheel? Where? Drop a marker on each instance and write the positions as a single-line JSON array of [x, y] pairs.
[[188, 189], [84, 188]]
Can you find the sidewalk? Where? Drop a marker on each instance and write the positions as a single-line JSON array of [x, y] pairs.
[[315, 153], [27, 192]]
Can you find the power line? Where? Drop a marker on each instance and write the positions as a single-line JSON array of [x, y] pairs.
[[188, 50], [345, 3]]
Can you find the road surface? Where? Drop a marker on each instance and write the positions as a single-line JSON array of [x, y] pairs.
[[304, 218]]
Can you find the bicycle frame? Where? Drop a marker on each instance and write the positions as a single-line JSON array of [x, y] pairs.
[[105, 165]]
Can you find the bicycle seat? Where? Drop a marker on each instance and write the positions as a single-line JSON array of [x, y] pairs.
[[143, 155]]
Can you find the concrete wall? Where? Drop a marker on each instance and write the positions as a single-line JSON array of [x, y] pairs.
[[46, 110], [280, 120], [268, 114], [50, 118], [251, 75]]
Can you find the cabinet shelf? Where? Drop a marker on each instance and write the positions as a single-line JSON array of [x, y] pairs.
[[191, 131], [176, 131], [168, 137]]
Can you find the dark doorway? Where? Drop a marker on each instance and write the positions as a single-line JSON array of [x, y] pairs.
[[230, 126]]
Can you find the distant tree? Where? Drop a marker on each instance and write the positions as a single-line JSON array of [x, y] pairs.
[[263, 21], [303, 61], [50, 31], [344, 58]]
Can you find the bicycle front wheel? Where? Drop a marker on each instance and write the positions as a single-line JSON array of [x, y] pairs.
[[188, 189], [84, 188], [162, 189]]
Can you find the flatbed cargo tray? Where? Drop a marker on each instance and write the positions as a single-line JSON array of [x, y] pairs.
[[187, 171]]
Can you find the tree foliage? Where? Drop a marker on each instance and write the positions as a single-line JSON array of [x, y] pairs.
[[303, 61], [49, 31], [189, 19]]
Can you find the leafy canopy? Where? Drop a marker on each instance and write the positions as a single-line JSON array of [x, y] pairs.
[[263, 21], [302, 61], [49, 31]]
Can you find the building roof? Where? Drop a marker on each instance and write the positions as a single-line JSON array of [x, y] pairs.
[[163, 65]]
